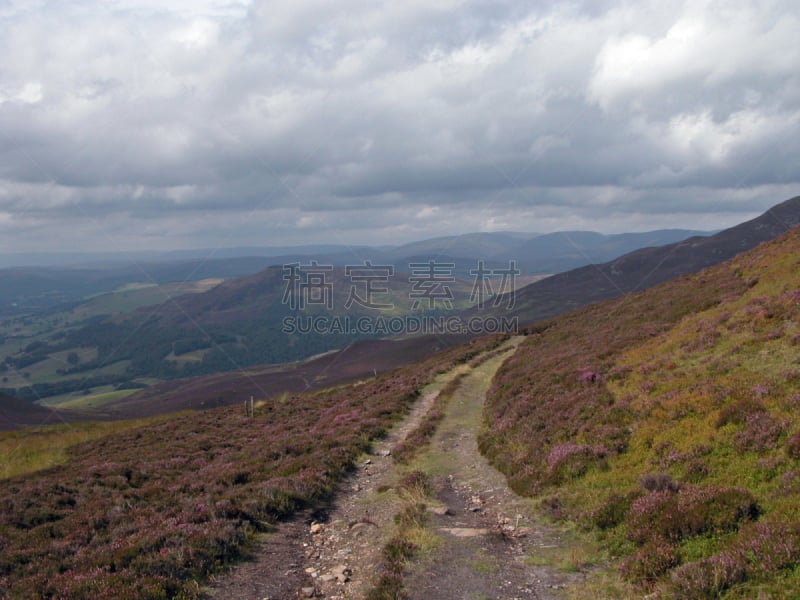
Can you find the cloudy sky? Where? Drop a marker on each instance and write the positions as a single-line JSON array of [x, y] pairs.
[[128, 125]]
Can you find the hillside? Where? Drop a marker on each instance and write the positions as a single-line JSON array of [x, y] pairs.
[[647, 267], [88, 313], [30, 290], [362, 358], [667, 422], [236, 324], [151, 511], [15, 413]]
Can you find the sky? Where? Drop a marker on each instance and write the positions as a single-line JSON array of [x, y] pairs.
[[202, 123]]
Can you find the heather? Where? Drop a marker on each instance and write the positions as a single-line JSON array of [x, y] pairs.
[[150, 512], [666, 422]]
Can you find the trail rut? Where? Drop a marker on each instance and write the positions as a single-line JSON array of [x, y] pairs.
[[483, 534]]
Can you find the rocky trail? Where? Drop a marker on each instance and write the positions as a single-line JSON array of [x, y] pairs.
[[481, 540]]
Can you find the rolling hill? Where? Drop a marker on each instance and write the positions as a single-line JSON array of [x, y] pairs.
[[50, 282], [15, 413], [234, 325], [645, 268], [361, 359], [666, 421]]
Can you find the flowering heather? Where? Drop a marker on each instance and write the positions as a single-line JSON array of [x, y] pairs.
[[650, 562], [150, 512], [761, 551], [708, 577], [572, 460], [760, 433], [700, 388], [690, 511]]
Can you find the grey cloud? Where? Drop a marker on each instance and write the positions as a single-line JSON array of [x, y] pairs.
[[321, 117]]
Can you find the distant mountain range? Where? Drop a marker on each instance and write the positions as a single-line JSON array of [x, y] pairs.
[[57, 280], [237, 323], [644, 268]]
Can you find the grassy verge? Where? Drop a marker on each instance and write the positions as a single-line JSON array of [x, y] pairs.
[[411, 536], [416, 441]]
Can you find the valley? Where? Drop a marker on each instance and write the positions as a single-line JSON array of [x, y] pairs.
[[590, 455], [399, 300], [98, 330]]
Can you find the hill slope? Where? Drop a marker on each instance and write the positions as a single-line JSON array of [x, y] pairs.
[[360, 359], [15, 412], [149, 512], [648, 267], [667, 419]]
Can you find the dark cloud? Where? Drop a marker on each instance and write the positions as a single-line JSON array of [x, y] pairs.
[[226, 123]]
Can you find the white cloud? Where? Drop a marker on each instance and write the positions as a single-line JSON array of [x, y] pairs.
[[329, 115]]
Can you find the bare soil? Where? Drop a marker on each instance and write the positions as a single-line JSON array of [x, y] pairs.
[[483, 542]]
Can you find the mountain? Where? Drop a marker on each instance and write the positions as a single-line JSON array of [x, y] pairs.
[[488, 245], [564, 250], [666, 421], [644, 268], [240, 322], [28, 290], [50, 282], [260, 319]]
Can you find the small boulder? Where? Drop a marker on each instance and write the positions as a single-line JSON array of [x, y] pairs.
[[342, 573], [440, 511]]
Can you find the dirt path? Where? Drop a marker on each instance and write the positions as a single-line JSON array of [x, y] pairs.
[[345, 553], [303, 557], [489, 538], [483, 535]]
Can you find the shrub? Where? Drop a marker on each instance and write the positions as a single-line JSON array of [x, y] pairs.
[[793, 446], [650, 562], [738, 412], [760, 552], [760, 433], [770, 547], [659, 482], [709, 577], [691, 511], [569, 461], [554, 507], [696, 470], [612, 512]]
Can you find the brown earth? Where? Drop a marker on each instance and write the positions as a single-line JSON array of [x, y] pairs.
[[481, 539]]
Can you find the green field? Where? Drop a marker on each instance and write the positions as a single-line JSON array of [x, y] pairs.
[[38, 448], [102, 395], [19, 334]]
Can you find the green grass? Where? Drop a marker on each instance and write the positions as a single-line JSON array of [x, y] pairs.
[[103, 396], [38, 448], [698, 380]]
